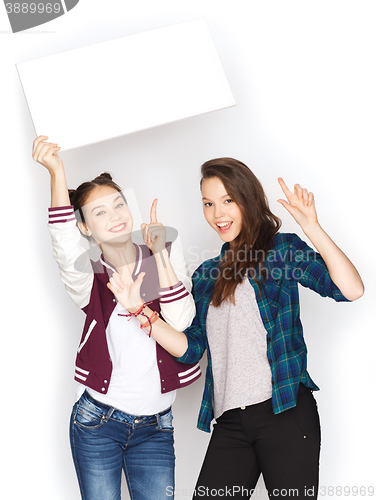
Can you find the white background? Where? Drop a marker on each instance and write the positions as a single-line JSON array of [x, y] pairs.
[[303, 77]]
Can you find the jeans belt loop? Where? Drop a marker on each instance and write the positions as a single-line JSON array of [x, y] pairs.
[[158, 420], [109, 413]]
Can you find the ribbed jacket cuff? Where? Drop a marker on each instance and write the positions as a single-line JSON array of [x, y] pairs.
[[60, 214], [172, 293]]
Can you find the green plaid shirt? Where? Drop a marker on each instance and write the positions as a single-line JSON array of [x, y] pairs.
[[289, 262]]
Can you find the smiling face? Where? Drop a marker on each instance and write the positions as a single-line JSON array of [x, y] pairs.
[[107, 216], [220, 211]]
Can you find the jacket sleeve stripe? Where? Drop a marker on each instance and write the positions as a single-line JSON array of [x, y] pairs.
[[195, 374], [170, 288], [172, 293], [166, 300], [60, 214], [61, 219]]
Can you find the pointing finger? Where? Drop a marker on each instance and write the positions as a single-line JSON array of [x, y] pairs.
[[153, 211], [285, 189]]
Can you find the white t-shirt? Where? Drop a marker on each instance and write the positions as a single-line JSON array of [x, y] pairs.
[[135, 386]]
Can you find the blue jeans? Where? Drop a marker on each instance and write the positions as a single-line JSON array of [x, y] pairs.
[[105, 441]]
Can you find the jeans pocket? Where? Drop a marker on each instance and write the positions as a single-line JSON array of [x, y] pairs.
[[165, 422], [87, 415], [306, 415]]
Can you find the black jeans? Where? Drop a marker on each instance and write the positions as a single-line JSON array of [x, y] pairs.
[[285, 448]]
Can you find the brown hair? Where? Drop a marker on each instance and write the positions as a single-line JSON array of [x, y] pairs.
[[79, 196], [259, 225]]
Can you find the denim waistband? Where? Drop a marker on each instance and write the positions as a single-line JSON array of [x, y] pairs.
[[112, 412]]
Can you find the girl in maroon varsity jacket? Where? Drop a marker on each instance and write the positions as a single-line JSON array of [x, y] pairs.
[[124, 375]]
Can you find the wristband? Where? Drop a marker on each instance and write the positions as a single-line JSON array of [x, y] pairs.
[[140, 312], [153, 318], [136, 313]]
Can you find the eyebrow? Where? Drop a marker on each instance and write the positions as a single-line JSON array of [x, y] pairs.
[[100, 206], [224, 196]]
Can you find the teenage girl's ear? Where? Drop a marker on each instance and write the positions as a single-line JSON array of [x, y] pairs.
[[83, 228]]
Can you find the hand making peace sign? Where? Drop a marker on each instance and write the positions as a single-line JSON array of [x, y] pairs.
[[300, 204], [124, 288], [154, 234]]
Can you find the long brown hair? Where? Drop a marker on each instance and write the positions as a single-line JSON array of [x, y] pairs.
[[259, 225]]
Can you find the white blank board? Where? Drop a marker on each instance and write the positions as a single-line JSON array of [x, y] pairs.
[[125, 85]]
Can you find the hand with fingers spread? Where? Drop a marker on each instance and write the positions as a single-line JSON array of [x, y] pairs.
[[124, 288], [300, 204], [154, 234], [45, 153]]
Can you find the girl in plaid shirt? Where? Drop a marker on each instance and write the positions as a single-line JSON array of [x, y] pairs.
[[247, 319]]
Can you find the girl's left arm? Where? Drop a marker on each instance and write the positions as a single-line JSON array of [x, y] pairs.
[[343, 273], [176, 301]]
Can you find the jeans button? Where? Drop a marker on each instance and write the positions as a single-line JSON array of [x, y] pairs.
[[242, 407]]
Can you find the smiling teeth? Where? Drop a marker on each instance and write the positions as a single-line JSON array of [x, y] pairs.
[[117, 228], [223, 224]]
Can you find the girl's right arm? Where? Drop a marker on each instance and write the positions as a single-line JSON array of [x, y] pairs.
[[73, 260]]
